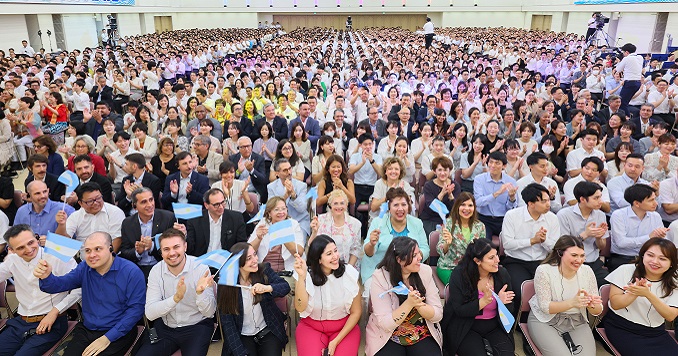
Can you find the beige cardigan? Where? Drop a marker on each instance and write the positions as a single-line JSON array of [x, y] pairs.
[[380, 326]]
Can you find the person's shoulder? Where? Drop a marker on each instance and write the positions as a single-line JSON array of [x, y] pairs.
[[566, 211]]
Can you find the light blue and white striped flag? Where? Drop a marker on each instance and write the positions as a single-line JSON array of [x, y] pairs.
[[280, 233], [401, 289], [505, 316], [260, 214], [215, 259], [383, 209], [312, 193], [187, 211], [228, 276], [61, 247], [440, 208], [71, 181]]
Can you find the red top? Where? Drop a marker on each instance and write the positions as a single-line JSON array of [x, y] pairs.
[[62, 115], [97, 161]]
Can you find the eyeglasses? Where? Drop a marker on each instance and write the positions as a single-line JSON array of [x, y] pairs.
[[286, 148], [37, 146], [245, 146], [92, 201], [217, 205]]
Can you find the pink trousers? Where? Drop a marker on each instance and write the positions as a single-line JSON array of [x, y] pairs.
[[313, 336]]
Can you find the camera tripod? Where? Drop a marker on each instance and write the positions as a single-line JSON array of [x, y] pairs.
[[599, 38]]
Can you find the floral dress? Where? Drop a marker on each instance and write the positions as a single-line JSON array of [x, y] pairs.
[[457, 248]]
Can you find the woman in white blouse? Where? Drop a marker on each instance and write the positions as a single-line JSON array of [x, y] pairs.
[[642, 297], [328, 300], [662, 164], [235, 190], [565, 289], [344, 228]]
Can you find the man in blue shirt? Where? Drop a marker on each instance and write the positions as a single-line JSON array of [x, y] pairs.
[[113, 298], [495, 193], [40, 213]]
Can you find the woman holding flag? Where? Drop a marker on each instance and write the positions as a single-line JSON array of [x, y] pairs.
[[278, 249], [471, 314], [394, 221], [328, 300], [406, 307], [566, 289], [251, 320], [441, 188]]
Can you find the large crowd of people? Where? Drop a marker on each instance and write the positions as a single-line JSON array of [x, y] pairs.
[[555, 159]]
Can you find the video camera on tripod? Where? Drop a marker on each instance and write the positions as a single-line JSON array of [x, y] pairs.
[[601, 20]]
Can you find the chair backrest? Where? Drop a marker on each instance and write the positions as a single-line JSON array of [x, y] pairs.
[[3, 298], [255, 200], [457, 183], [18, 198], [605, 296], [282, 304], [607, 250], [420, 205], [527, 291], [433, 239]]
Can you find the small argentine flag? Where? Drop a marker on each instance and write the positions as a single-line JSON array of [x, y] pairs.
[[61, 247], [440, 208], [280, 233], [156, 240], [214, 259], [505, 316], [71, 181], [312, 193], [187, 211], [401, 289], [229, 274], [260, 214], [383, 209]]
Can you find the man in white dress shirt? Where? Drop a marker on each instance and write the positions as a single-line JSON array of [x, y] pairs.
[[180, 299], [528, 234], [539, 165], [631, 66], [42, 321], [428, 32]]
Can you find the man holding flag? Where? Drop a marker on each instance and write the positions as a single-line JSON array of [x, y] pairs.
[[180, 299], [38, 311], [113, 295], [293, 192]]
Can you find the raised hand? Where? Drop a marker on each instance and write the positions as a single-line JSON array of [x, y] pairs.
[[206, 281]]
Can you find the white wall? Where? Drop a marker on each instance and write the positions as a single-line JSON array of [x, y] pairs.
[[14, 30], [672, 29], [129, 24], [214, 19], [490, 18], [637, 29], [80, 31]]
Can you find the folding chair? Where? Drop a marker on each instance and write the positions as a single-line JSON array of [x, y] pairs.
[[140, 331], [69, 331], [9, 288], [605, 295], [3, 304], [527, 289], [433, 238]]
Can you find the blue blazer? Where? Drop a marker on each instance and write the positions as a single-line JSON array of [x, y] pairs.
[[275, 319], [312, 129], [200, 185]]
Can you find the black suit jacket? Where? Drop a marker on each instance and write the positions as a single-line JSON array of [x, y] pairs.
[[149, 181], [280, 129], [56, 189], [395, 109], [200, 185], [246, 127], [638, 134], [381, 127], [604, 115], [259, 176], [131, 233], [198, 232], [106, 94]]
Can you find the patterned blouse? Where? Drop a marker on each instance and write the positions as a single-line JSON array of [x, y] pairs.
[[347, 236], [459, 243], [412, 330]]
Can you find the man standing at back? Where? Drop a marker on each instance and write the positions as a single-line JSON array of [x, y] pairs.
[[428, 32], [113, 297], [631, 66]]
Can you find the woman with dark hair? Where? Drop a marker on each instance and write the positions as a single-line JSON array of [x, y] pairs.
[[174, 132], [461, 227], [663, 163], [143, 115], [402, 152], [611, 129], [165, 162], [473, 162], [458, 143], [515, 166], [302, 145], [45, 145], [235, 190], [326, 148], [387, 144], [566, 289], [335, 177], [615, 167], [493, 140], [252, 323], [642, 298], [625, 135], [470, 314], [286, 149], [556, 166], [404, 324], [55, 113], [265, 145], [650, 143], [441, 188], [230, 144], [327, 297], [440, 125]]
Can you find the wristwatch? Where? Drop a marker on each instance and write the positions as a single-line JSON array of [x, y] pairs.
[[372, 161]]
